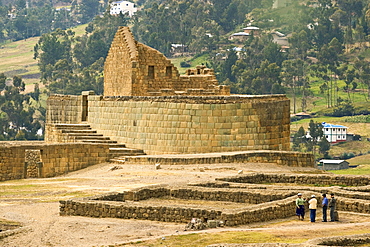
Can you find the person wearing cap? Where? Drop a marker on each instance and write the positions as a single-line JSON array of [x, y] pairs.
[[324, 203], [312, 206], [332, 205], [299, 202]]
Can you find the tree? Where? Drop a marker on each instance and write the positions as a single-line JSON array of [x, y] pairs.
[[324, 147], [2, 81], [89, 9], [299, 139], [316, 134]]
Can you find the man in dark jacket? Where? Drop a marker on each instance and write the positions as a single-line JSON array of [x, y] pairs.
[[332, 206]]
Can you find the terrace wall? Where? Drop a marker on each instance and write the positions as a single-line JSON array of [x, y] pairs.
[[53, 160]]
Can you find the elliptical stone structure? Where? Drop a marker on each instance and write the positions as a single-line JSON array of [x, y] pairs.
[[156, 112], [148, 105]]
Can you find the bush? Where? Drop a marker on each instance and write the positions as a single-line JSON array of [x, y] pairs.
[[185, 64]]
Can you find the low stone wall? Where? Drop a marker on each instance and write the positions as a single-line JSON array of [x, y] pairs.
[[207, 194], [128, 210], [52, 160], [300, 179], [133, 210], [286, 158], [268, 204]]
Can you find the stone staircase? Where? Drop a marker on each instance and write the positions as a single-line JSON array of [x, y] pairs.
[[84, 133]]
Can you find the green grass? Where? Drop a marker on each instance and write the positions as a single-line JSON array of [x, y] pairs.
[[16, 58], [363, 166], [193, 62]]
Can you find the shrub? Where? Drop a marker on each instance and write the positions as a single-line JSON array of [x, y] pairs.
[[185, 64]]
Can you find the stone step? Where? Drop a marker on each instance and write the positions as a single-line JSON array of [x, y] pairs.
[[117, 160], [94, 137], [125, 151], [117, 145], [84, 134], [95, 141], [81, 131], [69, 126]]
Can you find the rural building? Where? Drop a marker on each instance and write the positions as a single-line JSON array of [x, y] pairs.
[[252, 30], [280, 38], [240, 36], [122, 7], [334, 133], [333, 164]]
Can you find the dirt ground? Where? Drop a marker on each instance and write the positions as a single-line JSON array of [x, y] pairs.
[[39, 212]]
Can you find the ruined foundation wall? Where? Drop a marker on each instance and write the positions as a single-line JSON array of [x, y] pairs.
[[185, 124], [285, 158], [55, 159], [320, 179]]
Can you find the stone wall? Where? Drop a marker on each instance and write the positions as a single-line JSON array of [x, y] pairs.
[[320, 180], [51, 160], [207, 194], [131, 210], [286, 158], [269, 205], [132, 68], [64, 109], [185, 124]]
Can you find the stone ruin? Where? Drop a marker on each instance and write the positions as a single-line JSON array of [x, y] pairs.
[[134, 69], [168, 119], [238, 200], [148, 106]]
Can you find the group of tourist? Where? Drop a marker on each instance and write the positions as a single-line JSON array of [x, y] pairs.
[[312, 206]]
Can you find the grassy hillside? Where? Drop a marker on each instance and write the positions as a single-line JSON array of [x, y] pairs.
[[16, 58], [363, 166]]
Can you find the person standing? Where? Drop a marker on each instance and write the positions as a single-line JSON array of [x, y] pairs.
[[332, 206], [325, 203], [299, 202], [312, 206]]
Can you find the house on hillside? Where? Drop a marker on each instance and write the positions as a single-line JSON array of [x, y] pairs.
[[252, 30], [334, 133], [279, 38], [240, 36], [333, 164], [122, 7]]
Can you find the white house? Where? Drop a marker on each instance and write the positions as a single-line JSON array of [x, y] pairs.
[[122, 7], [334, 133]]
